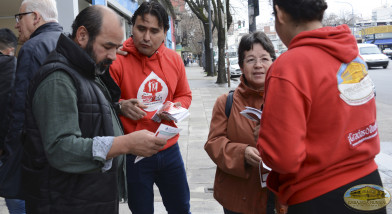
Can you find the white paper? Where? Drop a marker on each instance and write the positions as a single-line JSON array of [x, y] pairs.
[[252, 113], [164, 131], [175, 113], [264, 184], [266, 167]]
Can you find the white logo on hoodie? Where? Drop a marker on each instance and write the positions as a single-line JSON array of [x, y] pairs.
[[354, 83], [152, 92]]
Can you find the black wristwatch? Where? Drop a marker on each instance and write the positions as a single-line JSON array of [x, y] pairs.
[[117, 108]]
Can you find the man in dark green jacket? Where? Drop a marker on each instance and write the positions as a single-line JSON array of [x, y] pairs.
[[73, 155]]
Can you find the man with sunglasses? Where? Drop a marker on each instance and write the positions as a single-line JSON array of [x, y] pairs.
[[38, 29]]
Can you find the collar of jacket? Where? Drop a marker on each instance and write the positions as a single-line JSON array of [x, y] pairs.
[[130, 47], [47, 27], [76, 56], [245, 90]]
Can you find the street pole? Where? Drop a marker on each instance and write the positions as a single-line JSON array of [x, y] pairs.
[[210, 31]]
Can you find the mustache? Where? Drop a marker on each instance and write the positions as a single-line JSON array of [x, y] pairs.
[[105, 62], [102, 66]]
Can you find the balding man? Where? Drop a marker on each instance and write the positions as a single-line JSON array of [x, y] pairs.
[[73, 154]]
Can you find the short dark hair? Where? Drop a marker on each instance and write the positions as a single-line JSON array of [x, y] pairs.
[[302, 10], [91, 18], [153, 8], [7, 39], [247, 42]]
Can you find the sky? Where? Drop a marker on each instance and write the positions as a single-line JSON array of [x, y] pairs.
[[360, 8]]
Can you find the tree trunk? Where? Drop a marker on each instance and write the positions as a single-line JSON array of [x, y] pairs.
[[199, 7], [219, 22], [207, 51]]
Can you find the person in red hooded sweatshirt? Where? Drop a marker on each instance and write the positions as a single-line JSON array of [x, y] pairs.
[[318, 131], [149, 75]]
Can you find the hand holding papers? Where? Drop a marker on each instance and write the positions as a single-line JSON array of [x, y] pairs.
[[175, 113], [252, 113], [164, 131]]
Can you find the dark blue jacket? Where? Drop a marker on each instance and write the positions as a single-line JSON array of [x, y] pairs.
[[7, 78], [30, 58]]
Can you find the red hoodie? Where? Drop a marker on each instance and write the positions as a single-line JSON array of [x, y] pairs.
[[318, 130], [153, 80]]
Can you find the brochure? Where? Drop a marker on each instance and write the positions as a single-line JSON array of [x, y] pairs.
[[164, 131], [175, 113], [252, 113]]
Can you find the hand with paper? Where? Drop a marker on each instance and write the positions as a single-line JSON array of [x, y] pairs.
[[170, 111], [140, 142], [165, 132]]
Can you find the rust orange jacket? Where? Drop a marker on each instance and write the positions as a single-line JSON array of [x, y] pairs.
[[237, 185]]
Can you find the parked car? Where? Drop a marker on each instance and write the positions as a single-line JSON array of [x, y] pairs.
[[388, 52], [235, 70], [373, 56]]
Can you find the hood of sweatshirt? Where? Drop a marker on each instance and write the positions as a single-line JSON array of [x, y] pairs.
[[129, 46], [156, 57], [333, 40]]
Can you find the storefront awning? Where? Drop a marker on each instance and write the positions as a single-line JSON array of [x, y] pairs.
[[369, 41], [383, 42]]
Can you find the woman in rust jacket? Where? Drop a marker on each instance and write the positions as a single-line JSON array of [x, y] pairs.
[[231, 144]]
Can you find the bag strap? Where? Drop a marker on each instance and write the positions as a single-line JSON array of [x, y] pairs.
[[229, 103]]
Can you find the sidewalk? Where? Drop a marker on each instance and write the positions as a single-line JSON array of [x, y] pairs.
[[200, 169]]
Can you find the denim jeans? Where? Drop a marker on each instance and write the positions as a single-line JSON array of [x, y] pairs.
[[166, 170], [15, 206]]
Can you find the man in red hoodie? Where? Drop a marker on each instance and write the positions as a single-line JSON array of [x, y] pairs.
[[318, 132], [149, 75]]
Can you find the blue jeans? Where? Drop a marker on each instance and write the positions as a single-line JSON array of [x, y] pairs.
[[166, 170], [15, 206]]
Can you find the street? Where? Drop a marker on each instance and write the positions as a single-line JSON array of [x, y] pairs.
[[382, 79]]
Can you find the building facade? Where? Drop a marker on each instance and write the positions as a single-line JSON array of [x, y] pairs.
[[69, 9]]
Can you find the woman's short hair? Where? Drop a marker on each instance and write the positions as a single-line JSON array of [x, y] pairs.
[[247, 42], [47, 9], [302, 10], [155, 9]]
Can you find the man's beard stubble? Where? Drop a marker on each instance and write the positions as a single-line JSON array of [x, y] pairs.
[[101, 66]]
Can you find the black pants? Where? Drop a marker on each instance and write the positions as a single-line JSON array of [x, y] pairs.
[[333, 202]]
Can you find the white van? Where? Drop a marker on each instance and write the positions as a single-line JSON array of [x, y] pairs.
[[373, 56]]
